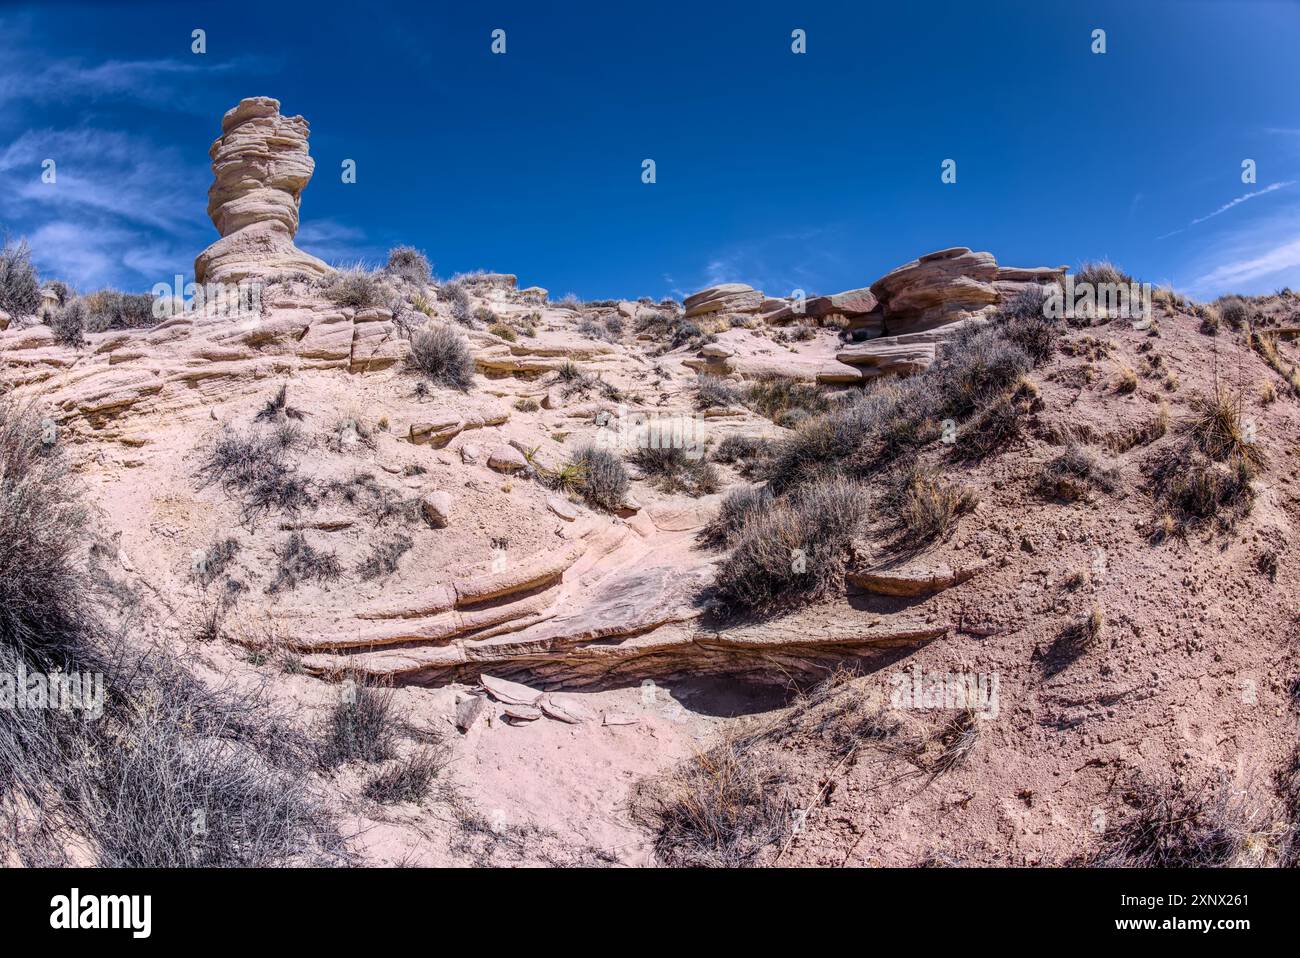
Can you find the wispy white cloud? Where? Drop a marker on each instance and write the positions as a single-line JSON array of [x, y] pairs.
[[1271, 188], [1254, 259]]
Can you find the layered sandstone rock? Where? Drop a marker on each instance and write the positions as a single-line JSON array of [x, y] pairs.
[[724, 298], [261, 166]]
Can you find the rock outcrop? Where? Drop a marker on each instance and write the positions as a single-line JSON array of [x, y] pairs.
[[261, 166], [910, 309], [724, 298]]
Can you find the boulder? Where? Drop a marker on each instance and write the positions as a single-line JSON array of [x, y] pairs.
[[936, 289], [724, 298], [506, 458], [436, 508]]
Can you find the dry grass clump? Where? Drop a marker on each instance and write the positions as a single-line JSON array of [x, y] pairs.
[[353, 286], [172, 773], [1070, 476], [1266, 346], [361, 727], [384, 557], [69, 324], [299, 561], [410, 779], [736, 509], [409, 264], [795, 549], [785, 401], [598, 476], [714, 391], [676, 469], [922, 507], [865, 436], [255, 468], [503, 331], [20, 289], [747, 453], [441, 355], [1210, 475], [998, 425], [110, 309], [1172, 826], [1233, 311], [1126, 380], [721, 809], [457, 299], [671, 330], [1102, 272]]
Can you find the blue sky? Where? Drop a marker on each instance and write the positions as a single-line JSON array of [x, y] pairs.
[[818, 171]]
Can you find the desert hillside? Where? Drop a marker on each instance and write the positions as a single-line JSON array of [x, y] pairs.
[[450, 572]]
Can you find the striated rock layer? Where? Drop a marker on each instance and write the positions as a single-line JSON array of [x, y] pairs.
[[261, 166]]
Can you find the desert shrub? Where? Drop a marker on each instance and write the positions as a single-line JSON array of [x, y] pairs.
[[256, 469], [1070, 475], [20, 290], [410, 779], [998, 425], [353, 286], [410, 264], [1210, 474], [1210, 321], [720, 809], [711, 391], [277, 408], [110, 309], [126, 786], [69, 324], [1126, 380], [675, 469], [1196, 487], [484, 316], [188, 750], [1172, 826], [794, 551], [373, 500], [607, 329], [442, 355], [298, 561], [503, 331], [748, 454], [384, 557], [526, 404], [1233, 311], [776, 397], [601, 478], [45, 609], [671, 330], [737, 508], [457, 299], [361, 726], [1026, 325], [63, 293], [1218, 429], [1101, 271], [923, 507], [216, 559]]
